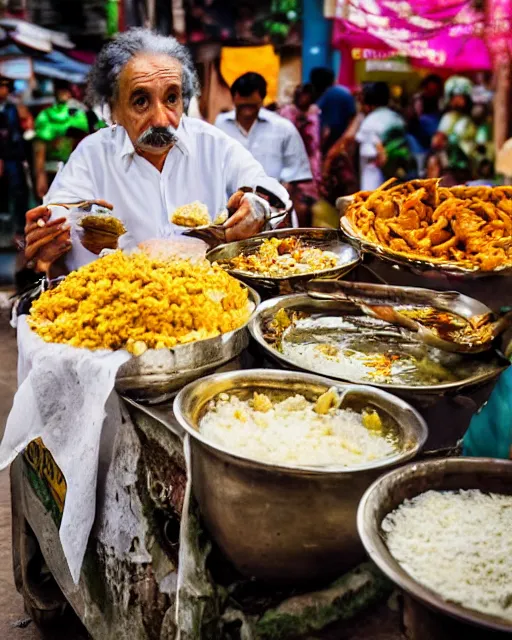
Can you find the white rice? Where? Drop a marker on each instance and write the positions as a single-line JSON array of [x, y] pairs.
[[458, 544], [293, 433]]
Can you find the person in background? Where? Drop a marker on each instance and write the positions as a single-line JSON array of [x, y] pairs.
[[484, 148], [457, 122], [272, 140], [447, 162], [336, 103], [339, 176], [426, 114], [15, 119], [58, 128], [380, 126], [305, 115]]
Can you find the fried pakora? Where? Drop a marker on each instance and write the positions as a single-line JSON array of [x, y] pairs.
[[466, 227], [138, 303]]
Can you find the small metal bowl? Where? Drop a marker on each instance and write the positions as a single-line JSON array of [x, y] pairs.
[[327, 239], [390, 490], [285, 523]]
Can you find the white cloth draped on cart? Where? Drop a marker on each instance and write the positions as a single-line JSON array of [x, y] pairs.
[[61, 398]]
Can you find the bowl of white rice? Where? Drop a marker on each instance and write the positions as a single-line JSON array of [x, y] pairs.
[[280, 460], [442, 531]]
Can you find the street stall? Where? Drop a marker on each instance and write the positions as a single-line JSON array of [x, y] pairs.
[[214, 466]]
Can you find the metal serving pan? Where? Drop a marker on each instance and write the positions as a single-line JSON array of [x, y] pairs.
[[424, 266], [389, 491], [157, 374], [286, 523], [303, 303], [327, 239]]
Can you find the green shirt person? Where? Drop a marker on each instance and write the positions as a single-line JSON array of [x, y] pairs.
[[57, 129]]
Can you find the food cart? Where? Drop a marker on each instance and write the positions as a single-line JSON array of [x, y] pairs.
[[172, 557]]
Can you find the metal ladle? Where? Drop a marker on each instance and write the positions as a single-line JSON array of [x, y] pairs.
[[381, 301]]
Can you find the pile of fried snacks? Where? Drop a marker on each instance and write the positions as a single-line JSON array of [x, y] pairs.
[[468, 227], [281, 257], [138, 303]]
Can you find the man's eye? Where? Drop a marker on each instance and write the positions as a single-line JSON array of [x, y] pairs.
[[141, 101], [173, 98]]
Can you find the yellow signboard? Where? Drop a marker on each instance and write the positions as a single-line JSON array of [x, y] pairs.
[[235, 61], [41, 460]]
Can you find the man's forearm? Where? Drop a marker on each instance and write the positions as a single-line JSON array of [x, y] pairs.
[[39, 157]]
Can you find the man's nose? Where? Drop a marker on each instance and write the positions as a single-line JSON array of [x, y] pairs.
[[163, 116]]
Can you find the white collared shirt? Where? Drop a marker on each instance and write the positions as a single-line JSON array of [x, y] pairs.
[[204, 165], [274, 142]]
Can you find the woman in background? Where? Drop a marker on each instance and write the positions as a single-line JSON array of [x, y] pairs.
[[305, 115]]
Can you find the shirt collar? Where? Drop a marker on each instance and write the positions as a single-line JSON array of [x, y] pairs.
[[127, 150], [263, 115]]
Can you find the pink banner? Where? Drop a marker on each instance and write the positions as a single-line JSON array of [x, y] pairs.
[[435, 33]]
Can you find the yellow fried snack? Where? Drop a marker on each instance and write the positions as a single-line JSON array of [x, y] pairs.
[[191, 215], [137, 303], [281, 257], [468, 227]]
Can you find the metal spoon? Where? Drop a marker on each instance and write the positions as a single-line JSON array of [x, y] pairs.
[[384, 302]]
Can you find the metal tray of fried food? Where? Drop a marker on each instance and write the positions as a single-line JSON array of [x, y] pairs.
[[399, 259], [157, 374], [326, 239], [443, 372], [446, 320]]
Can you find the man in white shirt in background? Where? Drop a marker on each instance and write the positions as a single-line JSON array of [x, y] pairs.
[[273, 141]]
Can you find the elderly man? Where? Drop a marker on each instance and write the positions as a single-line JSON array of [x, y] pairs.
[[152, 160]]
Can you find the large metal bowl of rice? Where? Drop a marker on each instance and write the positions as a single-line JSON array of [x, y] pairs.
[[274, 494], [441, 531]]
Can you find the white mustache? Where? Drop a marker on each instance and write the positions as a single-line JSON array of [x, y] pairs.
[[158, 137]]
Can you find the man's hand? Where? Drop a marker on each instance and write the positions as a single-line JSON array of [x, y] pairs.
[[45, 242], [249, 218]]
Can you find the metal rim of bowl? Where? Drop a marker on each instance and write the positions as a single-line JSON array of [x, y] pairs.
[[269, 375], [378, 552], [254, 298], [255, 331], [296, 276]]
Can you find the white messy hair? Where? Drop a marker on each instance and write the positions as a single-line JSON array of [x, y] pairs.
[[102, 83]]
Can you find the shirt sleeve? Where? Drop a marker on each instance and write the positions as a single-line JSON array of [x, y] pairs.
[[242, 170], [74, 182], [296, 165]]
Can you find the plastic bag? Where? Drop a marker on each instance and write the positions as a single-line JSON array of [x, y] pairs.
[[176, 248], [490, 430]]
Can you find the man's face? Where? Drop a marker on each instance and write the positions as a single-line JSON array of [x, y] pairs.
[[63, 95], [247, 107], [150, 102]]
